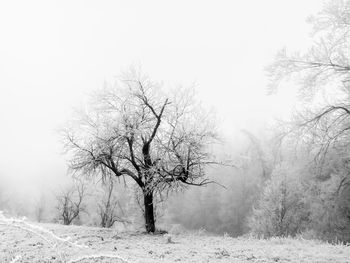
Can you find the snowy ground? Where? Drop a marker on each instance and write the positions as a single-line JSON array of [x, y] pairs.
[[31, 242]]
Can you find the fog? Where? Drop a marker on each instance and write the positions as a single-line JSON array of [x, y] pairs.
[[54, 54]]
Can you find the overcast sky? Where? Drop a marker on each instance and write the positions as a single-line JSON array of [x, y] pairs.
[[53, 53]]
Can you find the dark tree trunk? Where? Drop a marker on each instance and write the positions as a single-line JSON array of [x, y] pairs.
[[149, 213], [66, 221]]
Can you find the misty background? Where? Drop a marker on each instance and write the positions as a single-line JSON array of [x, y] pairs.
[[54, 54]]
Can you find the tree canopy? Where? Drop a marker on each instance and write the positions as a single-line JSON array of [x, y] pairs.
[[159, 138]]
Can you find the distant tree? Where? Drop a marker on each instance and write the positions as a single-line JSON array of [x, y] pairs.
[[325, 67], [327, 61], [238, 201], [109, 208], [329, 199], [158, 139], [259, 155], [70, 202], [281, 210]]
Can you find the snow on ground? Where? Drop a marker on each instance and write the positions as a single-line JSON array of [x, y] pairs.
[[21, 241]]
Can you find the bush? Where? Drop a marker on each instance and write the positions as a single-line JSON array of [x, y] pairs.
[[281, 210], [330, 210]]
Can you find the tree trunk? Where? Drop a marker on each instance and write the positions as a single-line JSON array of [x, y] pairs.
[[149, 213]]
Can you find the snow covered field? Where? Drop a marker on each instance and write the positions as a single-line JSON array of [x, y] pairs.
[[22, 241]]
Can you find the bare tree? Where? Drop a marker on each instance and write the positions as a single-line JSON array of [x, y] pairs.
[[281, 210], [259, 154], [325, 67], [70, 202], [137, 130], [326, 61], [110, 210]]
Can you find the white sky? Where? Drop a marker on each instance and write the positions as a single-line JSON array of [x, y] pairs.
[[53, 53]]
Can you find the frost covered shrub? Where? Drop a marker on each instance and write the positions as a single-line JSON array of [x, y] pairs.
[[330, 209], [281, 210]]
